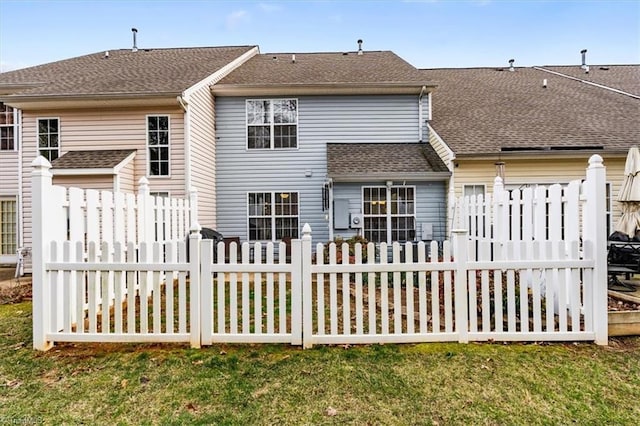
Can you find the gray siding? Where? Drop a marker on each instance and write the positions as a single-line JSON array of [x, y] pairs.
[[430, 205], [321, 120]]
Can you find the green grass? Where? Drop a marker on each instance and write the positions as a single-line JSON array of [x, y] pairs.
[[279, 384]]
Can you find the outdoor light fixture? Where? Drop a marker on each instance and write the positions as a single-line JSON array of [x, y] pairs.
[[500, 169]]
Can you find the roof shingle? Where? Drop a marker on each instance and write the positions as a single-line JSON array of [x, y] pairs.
[[147, 71], [376, 160], [324, 68], [94, 159], [487, 111]]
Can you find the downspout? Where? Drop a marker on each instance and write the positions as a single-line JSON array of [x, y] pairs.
[[330, 209], [424, 89], [20, 218], [187, 143]]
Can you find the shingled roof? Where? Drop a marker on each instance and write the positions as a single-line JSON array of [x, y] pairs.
[[93, 159], [480, 111], [330, 69], [374, 161], [144, 72], [621, 77]]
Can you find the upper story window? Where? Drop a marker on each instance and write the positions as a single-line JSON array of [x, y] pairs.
[[7, 128], [49, 138], [272, 123], [158, 143]]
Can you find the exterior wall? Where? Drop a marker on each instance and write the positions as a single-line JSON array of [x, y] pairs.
[[202, 144], [100, 182], [321, 119], [105, 129], [540, 170], [9, 188], [430, 205], [127, 178]]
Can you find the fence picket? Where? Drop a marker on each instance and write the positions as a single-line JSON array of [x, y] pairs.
[[422, 291], [257, 289], [359, 301], [320, 314], [371, 291], [346, 293], [397, 292], [435, 288], [132, 281], [384, 291], [333, 291], [221, 292], [269, 286], [408, 258]]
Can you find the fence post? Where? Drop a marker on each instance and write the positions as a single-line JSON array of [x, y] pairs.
[[194, 285], [460, 248], [307, 314], [41, 188], [146, 219], [193, 207], [500, 218], [595, 231]]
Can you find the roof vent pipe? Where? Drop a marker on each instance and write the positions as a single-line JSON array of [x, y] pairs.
[[106, 54], [135, 33], [511, 68], [584, 59], [360, 52], [293, 58]]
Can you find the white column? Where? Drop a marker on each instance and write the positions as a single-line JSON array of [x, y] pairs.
[[41, 189], [595, 232]]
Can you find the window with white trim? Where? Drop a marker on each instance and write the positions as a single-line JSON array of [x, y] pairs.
[[8, 226], [469, 190], [158, 144], [272, 123], [389, 215], [273, 215], [49, 138], [8, 129]]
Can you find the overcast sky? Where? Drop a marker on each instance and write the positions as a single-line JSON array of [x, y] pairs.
[[428, 33]]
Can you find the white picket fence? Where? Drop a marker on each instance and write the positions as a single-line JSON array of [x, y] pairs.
[[463, 290]]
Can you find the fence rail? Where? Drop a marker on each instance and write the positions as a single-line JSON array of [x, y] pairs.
[[466, 289]]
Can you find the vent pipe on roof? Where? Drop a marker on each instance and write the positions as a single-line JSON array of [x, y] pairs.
[[360, 52], [511, 68], [106, 55], [584, 60], [135, 33], [293, 58]]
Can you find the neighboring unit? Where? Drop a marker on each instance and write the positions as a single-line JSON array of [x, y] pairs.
[[107, 119], [534, 125]]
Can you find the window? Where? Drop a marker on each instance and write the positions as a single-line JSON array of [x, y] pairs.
[[49, 138], [158, 143], [273, 215], [470, 190], [272, 124], [389, 215], [7, 128], [8, 227]]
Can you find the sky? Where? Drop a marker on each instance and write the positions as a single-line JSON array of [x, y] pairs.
[[427, 33]]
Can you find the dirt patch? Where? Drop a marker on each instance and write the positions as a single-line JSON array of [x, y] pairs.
[[616, 305], [15, 292]]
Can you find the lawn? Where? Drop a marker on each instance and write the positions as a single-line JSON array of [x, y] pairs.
[[279, 384]]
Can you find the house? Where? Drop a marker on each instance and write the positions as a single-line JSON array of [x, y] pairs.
[[107, 119], [535, 125], [335, 140]]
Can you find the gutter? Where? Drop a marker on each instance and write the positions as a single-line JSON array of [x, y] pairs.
[[347, 88], [611, 89], [422, 177]]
